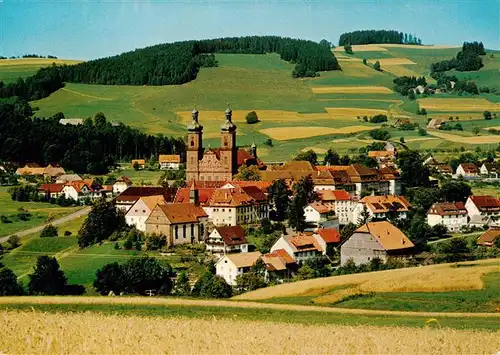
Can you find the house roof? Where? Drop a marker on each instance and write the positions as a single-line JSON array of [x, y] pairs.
[[238, 196], [301, 242], [152, 201], [382, 204], [182, 212], [447, 208], [232, 235], [261, 184], [332, 168], [489, 237], [469, 167], [444, 168], [380, 154], [243, 259], [52, 188], [207, 184], [329, 235], [360, 173], [124, 179], [138, 161], [387, 235], [492, 167], [243, 157], [278, 260], [69, 177], [204, 194], [485, 203], [319, 207], [78, 185], [388, 173], [169, 158], [297, 165], [133, 193], [334, 195]]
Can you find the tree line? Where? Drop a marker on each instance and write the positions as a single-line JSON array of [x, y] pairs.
[[378, 36], [92, 147], [468, 59], [171, 64]]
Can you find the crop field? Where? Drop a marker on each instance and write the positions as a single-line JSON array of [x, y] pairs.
[[470, 140], [351, 90], [286, 133], [458, 104], [392, 61], [12, 69], [89, 333]]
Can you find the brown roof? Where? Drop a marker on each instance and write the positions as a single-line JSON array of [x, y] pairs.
[[243, 157], [138, 161], [78, 185], [273, 262], [334, 195], [152, 201], [492, 167], [232, 235], [182, 212], [261, 184], [332, 168], [133, 193], [469, 167], [244, 259], [444, 168], [52, 188], [297, 165], [380, 154], [383, 204], [204, 194], [360, 173], [329, 235], [447, 208], [319, 207], [486, 203], [488, 238], [387, 235], [124, 179], [303, 242], [239, 196], [169, 158]]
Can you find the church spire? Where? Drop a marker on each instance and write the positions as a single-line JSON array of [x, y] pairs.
[[228, 125], [195, 125]]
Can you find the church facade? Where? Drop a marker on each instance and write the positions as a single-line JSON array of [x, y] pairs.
[[219, 164]]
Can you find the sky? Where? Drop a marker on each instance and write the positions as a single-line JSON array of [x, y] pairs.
[[88, 29]]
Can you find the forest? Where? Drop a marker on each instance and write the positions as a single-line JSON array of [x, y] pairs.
[[468, 59], [378, 36], [171, 64], [92, 147]]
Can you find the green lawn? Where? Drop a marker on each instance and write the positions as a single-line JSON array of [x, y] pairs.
[[40, 212]]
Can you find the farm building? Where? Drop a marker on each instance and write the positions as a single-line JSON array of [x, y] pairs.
[[452, 215], [169, 161], [467, 170], [380, 207], [141, 163], [301, 246], [121, 184], [488, 238], [141, 209], [375, 240], [227, 239], [232, 265]]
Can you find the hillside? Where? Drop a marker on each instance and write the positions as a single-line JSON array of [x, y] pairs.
[[13, 69], [328, 105]]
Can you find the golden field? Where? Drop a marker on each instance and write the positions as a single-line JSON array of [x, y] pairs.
[[392, 61], [94, 333], [351, 90], [362, 48], [433, 278], [470, 140], [414, 46], [457, 104], [286, 133], [36, 61]]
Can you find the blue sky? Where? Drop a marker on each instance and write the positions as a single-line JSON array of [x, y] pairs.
[[86, 29]]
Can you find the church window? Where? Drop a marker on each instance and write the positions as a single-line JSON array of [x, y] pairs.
[[225, 142], [192, 142]]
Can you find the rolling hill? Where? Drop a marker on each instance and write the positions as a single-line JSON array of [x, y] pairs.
[[329, 105]]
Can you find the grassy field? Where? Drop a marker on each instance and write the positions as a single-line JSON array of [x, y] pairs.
[[12, 69], [40, 213], [263, 83]]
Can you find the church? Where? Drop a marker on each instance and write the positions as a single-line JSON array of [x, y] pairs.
[[219, 164]]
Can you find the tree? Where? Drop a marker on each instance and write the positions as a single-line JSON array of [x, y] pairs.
[[212, 286], [305, 272], [476, 130], [331, 157], [146, 273], [487, 115], [413, 172], [453, 250], [14, 241], [376, 66], [456, 191], [252, 117], [303, 195], [248, 173], [422, 132], [155, 241], [348, 48], [347, 231], [364, 216], [411, 95], [364, 61], [402, 139], [49, 279], [380, 134], [309, 155], [8, 283], [325, 43], [279, 195], [249, 281], [102, 221], [110, 277], [49, 231], [182, 287]]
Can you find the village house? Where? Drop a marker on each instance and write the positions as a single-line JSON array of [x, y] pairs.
[[490, 170], [279, 265], [327, 237], [61, 179], [375, 240], [51, 190], [300, 246], [180, 223], [315, 213], [35, 169], [338, 201], [231, 265], [141, 209], [169, 161], [467, 170], [121, 184], [488, 238], [383, 157], [435, 123], [482, 210], [77, 190], [238, 206], [444, 169], [141, 163], [127, 198], [452, 215], [227, 239], [380, 207]]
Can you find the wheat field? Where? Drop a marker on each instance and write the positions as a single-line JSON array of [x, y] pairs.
[[457, 104], [286, 133], [471, 140], [392, 61], [36, 61], [434, 278], [93, 333], [351, 90]]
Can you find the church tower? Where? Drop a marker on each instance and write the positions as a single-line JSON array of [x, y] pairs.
[[228, 149], [194, 148]]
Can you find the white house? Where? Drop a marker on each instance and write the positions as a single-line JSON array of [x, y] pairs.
[[169, 161], [338, 201], [121, 184], [227, 239], [316, 213], [77, 190], [141, 209], [489, 170], [301, 246], [483, 207], [467, 170], [51, 190], [375, 240], [232, 265], [452, 215], [380, 207]]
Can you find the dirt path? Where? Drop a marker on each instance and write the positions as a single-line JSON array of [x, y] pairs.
[[70, 217], [153, 301]]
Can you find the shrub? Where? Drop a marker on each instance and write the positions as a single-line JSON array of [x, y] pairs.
[[380, 134], [14, 241], [422, 132], [48, 231], [4, 219], [212, 286], [252, 117], [67, 233]]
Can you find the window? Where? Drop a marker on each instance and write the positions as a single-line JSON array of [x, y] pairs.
[[192, 230], [184, 231], [176, 231]]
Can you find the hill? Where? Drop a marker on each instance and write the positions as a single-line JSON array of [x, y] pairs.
[[13, 69], [329, 105]]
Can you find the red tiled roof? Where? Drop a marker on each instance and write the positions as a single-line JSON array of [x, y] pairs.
[[78, 185], [486, 203], [282, 253], [243, 157], [469, 167], [334, 195], [488, 238], [329, 235], [182, 212], [204, 195], [261, 184], [52, 188], [232, 235], [255, 193], [447, 208], [319, 207], [303, 242], [239, 196]]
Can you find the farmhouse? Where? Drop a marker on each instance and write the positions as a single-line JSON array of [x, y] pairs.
[[51, 190], [467, 170], [327, 237], [121, 184], [301, 246], [490, 170], [127, 198], [216, 164], [279, 265], [452, 215], [77, 190], [61, 179], [141, 209], [180, 223], [315, 213], [488, 238], [227, 239], [232, 265], [141, 163], [169, 161], [34, 169], [375, 240], [338, 201], [483, 207], [380, 207]]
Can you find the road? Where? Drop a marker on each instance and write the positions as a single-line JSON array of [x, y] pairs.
[[70, 217]]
